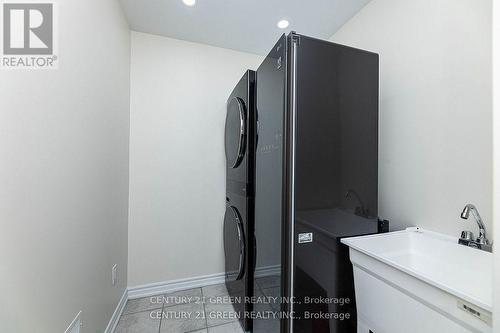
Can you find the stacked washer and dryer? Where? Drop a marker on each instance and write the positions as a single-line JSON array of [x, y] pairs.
[[240, 141], [301, 178]]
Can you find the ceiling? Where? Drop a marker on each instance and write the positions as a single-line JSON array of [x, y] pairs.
[[243, 25]]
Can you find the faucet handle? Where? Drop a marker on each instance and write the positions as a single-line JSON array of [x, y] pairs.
[[482, 241], [467, 236]]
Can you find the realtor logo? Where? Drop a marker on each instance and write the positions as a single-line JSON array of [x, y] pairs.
[[28, 35]]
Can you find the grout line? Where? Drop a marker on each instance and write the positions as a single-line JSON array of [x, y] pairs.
[[204, 309], [197, 330], [163, 307], [225, 323], [236, 321], [171, 305], [161, 317], [176, 304], [136, 312]]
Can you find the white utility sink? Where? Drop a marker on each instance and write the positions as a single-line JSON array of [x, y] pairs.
[[420, 281]]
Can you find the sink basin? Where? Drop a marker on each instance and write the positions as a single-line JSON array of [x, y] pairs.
[[429, 275]]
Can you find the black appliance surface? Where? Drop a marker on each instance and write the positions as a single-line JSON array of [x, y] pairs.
[[238, 259], [239, 216], [271, 93], [240, 137], [323, 221], [316, 176]]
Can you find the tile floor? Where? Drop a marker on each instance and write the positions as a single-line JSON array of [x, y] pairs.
[[204, 310]]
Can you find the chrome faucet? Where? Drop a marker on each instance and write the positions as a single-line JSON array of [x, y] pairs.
[[360, 210], [467, 237]]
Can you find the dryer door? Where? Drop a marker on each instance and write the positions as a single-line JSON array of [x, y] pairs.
[[234, 244], [235, 132]]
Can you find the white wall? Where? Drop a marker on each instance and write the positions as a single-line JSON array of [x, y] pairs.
[[435, 108], [177, 181], [496, 162], [64, 176]]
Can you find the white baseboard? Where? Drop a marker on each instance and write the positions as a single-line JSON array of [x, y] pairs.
[[117, 314], [158, 288], [153, 289]]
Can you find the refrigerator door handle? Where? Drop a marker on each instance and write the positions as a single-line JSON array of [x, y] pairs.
[[293, 120]]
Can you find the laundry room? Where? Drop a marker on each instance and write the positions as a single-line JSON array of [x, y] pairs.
[[182, 166]]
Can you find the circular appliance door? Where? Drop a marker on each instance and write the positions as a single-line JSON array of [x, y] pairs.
[[235, 132], [234, 244]]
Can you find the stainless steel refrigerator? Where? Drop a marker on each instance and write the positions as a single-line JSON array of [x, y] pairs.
[[316, 181]]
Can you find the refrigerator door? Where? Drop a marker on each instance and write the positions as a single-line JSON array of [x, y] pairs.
[[333, 131], [271, 93]]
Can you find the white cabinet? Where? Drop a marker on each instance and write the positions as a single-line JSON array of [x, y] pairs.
[[415, 281]]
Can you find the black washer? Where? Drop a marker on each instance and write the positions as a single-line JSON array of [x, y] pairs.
[[234, 244], [238, 228]]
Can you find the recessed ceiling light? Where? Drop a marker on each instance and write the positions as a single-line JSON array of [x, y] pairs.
[[283, 24], [189, 3]]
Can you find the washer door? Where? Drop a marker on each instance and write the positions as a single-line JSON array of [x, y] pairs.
[[235, 132], [234, 244]]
